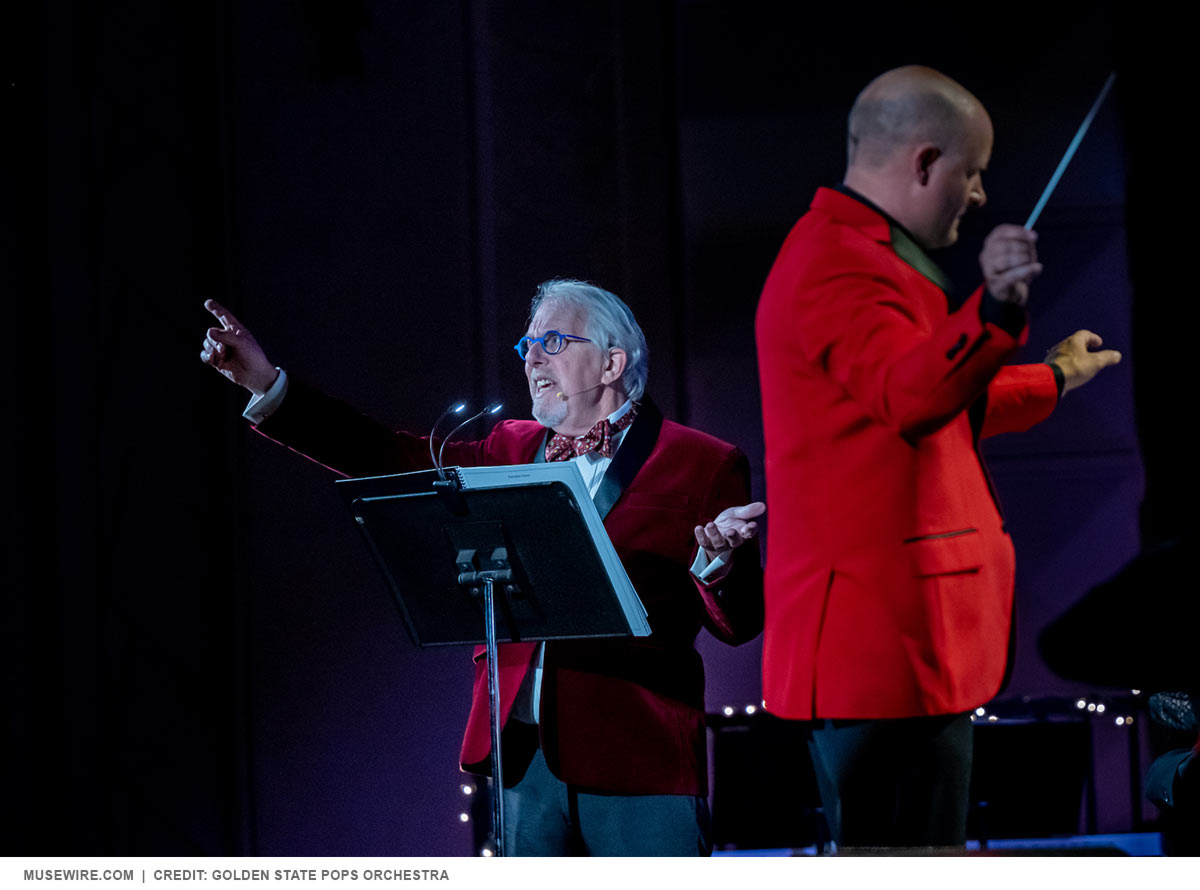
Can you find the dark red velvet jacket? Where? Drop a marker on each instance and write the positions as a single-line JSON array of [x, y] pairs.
[[889, 579], [617, 715]]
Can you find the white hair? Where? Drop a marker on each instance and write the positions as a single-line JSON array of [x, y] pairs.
[[610, 323]]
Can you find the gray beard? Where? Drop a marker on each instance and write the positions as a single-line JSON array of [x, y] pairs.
[[549, 413]]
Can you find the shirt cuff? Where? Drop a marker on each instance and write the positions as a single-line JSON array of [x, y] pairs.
[[263, 406], [1060, 379], [710, 572]]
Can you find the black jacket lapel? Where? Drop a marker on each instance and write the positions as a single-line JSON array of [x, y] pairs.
[[635, 449]]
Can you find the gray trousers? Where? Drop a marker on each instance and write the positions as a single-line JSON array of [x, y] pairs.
[[544, 816]]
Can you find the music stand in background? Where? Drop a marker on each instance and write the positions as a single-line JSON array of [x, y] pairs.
[[495, 554]]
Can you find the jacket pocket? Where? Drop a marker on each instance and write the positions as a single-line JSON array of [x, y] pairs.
[[945, 553]]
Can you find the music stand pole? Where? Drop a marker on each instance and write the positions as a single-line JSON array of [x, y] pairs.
[[493, 661]]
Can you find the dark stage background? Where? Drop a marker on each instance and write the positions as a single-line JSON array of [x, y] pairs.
[[200, 657]]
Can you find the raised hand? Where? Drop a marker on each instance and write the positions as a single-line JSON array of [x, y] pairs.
[[233, 351], [732, 528], [1080, 358], [1009, 262]]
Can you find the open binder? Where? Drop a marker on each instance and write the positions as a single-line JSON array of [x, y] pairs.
[[569, 582]]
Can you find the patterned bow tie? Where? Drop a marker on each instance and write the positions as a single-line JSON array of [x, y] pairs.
[[598, 439]]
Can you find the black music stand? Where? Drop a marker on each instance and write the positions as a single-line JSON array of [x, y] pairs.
[[512, 563]]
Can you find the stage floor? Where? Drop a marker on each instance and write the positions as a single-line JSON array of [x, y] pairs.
[[1133, 844]]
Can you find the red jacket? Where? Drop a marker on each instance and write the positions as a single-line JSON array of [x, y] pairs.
[[617, 715], [889, 577]]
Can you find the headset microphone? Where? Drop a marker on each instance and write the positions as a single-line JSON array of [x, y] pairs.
[[566, 397]]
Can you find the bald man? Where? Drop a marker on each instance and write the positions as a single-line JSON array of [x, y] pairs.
[[889, 579]]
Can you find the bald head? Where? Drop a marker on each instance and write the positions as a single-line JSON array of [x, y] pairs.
[[918, 146], [905, 107]]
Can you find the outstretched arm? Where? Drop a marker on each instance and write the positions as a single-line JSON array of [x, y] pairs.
[[1022, 395], [321, 428]]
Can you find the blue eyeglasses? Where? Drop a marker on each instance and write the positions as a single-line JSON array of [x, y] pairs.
[[552, 342]]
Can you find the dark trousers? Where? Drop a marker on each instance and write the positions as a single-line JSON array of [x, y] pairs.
[[544, 816], [895, 783]]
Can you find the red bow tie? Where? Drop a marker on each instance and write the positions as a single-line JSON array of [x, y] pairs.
[[597, 439]]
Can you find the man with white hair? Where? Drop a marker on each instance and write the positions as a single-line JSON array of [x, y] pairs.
[[889, 580], [604, 740]]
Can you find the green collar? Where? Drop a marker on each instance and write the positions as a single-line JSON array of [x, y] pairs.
[[912, 253], [902, 242]]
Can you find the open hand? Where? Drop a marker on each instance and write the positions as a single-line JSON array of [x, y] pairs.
[[732, 528], [1080, 358]]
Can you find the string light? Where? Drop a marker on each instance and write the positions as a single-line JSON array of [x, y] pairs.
[[1091, 707], [1120, 721], [1081, 704], [468, 789], [750, 709], [980, 711], [727, 710], [486, 851], [1099, 709], [464, 817]]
